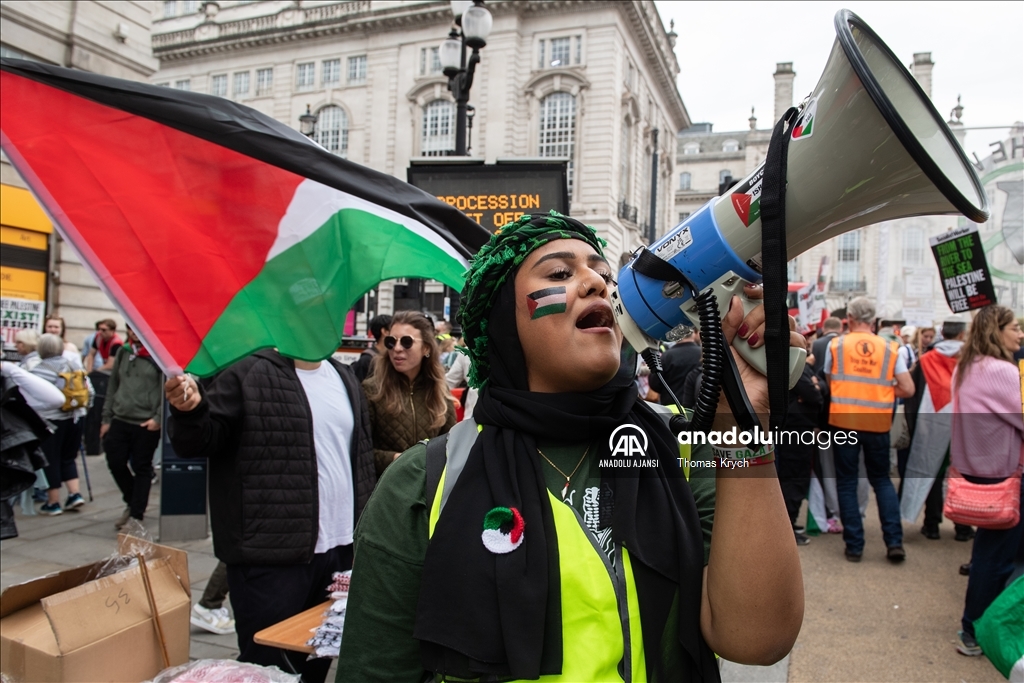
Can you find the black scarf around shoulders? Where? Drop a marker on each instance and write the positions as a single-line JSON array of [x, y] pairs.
[[498, 616]]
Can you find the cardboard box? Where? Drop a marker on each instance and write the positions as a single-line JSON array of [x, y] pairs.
[[64, 628]]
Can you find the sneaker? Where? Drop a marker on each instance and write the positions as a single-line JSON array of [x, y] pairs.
[[930, 532], [798, 528], [74, 501], [52, 509], [852, 556], [213, 620], [965, 569], [834, 527], [801, 539], [964, 535], [967, 645], [895, 554], [123, 519]]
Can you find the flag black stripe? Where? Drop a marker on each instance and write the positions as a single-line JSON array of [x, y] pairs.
[[249, 132]]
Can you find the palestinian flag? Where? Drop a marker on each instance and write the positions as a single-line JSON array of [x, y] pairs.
[[546, 301], [804, 127], [503, 530], [215, 229]]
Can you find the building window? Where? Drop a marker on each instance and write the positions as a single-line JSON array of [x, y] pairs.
[[332, 130], [684, 181], [558, 128], [848, 259], [723, 174], [183, 84], [630, 75], [430, 61], [913, 247], [560, 49], [190, 7], [330, 72], [264, 81], [731, 146], [691, 148], [305, 76], [357, 69], [791, 271], [626, 160], [561, 52], [240, 84], [438, 137], [170, 9], [219, 85], [683, 215]]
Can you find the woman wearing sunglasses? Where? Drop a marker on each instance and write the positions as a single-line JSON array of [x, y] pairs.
[[407, 393], [513, 553]]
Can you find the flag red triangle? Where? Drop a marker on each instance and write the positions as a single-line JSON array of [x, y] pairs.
[[741, 202]]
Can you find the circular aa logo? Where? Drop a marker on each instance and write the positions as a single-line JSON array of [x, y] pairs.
[[864, 348], [628, 440]]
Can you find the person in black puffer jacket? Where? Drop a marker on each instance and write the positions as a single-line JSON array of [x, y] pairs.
[[291, 467]]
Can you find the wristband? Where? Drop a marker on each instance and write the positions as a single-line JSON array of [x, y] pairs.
[[748, 456]]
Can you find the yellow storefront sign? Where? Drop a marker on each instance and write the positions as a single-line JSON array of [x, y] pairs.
[[18, 283], [19, 209], [23, 238]]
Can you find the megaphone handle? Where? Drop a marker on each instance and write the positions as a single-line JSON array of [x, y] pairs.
[[757, 357]]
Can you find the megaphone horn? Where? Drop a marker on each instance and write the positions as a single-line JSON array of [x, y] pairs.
[[867, 146]]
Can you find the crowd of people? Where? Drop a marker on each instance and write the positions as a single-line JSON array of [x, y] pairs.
[[482, 451], [931, 398]]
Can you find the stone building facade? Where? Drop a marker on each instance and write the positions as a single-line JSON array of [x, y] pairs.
[[585, 80], [111, 38], [890, 261]]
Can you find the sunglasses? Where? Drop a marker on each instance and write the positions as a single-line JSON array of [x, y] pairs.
[[406, 342]]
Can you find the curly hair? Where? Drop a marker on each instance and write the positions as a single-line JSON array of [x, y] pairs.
[[495, 263], [984, 339]]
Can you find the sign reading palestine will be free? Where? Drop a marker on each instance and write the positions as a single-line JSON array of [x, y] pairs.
[[964, 271]]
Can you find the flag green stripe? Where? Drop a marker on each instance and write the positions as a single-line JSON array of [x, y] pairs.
[[299, 301], [548, 310]]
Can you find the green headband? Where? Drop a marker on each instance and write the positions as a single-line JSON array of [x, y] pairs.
[[494, 263]]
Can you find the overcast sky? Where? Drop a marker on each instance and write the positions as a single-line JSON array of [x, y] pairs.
[[727, 53]]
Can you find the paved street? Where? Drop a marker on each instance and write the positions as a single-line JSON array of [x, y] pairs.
[[864, 622]]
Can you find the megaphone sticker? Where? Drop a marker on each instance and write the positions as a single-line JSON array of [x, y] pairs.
[[746, 198], [804, 127]]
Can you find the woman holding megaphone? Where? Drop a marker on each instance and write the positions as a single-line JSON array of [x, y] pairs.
[[530, 543]]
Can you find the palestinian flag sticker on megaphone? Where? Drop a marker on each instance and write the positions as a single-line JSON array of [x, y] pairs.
[[804, 127], [503, 530]]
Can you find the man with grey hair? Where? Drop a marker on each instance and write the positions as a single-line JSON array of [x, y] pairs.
[[866, 375]]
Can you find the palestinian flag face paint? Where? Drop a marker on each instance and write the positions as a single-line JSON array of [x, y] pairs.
[[503, 530], [546, 301]]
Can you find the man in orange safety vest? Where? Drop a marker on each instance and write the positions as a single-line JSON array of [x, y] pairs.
[[866, 375]]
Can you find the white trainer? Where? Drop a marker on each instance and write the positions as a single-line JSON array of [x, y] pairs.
[[213, 620]]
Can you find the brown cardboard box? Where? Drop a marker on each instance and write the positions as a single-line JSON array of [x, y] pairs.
[[64, 628]]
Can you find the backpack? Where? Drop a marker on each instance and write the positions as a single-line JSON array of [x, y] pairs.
[[75, 390]]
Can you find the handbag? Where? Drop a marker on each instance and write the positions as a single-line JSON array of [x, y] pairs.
[[899, 433], [989, 506]]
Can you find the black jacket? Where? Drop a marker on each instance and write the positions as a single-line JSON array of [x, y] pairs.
[[818, 348], [805, 402], [676, 364], [255, 427], [21, 431]]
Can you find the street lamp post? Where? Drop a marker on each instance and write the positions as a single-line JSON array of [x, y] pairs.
[[307, 123], [472, 26]]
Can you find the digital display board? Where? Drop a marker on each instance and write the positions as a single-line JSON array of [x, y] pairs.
[[496, 194]]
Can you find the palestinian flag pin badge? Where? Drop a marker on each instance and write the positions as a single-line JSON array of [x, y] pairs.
[[503, 530]]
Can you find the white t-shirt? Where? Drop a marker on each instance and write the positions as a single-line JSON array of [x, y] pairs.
[[332, 433]]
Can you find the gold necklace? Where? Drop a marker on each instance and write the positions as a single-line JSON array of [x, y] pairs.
[[565, 489]]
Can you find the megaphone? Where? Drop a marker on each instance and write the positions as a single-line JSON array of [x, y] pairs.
[[867, 146]]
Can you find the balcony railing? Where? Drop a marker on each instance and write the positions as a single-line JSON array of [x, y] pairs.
[[627, 212], [847, 285]]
